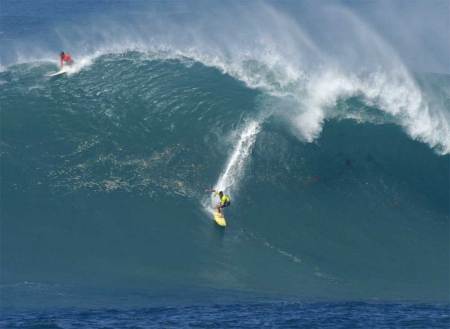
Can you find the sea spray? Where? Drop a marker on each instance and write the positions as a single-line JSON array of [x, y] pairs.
[[108, 164], [229, 178], [128, 164], [283, 57]]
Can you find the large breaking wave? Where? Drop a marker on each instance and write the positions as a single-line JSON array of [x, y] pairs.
[[336, 159]]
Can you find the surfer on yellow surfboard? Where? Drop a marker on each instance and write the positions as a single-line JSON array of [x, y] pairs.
[[225, 200]]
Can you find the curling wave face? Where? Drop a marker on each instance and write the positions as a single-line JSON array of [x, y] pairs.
[[111, 164], [277, 54], [338, 169]]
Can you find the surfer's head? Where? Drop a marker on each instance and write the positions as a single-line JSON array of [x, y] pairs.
[[61, 53], [220, 193]]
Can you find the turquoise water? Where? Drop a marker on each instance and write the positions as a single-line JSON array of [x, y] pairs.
[[104, 172], [338, 169]]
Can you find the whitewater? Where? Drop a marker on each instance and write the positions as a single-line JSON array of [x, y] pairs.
[[331, 138]]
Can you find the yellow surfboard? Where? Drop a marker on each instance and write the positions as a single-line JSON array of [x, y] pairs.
[[219, 219]]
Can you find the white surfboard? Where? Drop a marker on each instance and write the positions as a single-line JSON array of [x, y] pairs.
[[60, 72]]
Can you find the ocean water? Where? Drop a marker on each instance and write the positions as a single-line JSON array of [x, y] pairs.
[[332, 140], [260, 315]]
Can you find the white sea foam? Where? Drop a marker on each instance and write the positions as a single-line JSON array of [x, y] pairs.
[[229, 180], [80, 64], [232, 173], [268, 49], [301, 70]]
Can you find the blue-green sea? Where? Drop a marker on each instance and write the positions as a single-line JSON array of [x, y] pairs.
[[331, 138]]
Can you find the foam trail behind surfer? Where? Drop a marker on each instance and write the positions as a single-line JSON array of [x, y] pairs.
[[229, 179], [336, 162]]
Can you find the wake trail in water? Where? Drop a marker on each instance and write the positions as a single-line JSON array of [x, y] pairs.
[[230, 177]]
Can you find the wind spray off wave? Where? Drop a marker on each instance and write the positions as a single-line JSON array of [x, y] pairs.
[[279, 53], [111, 162]]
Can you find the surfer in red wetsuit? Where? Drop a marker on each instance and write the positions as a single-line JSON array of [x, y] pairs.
[[66, 59]]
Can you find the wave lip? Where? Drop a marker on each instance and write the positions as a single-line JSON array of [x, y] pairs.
[[278, 54], [111, 164]]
